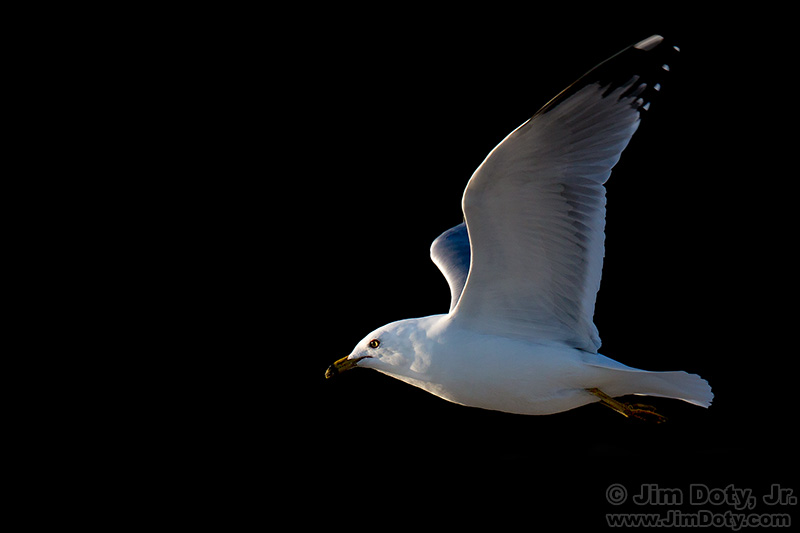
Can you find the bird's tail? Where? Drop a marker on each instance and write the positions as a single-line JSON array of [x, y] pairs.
[[679, 385]]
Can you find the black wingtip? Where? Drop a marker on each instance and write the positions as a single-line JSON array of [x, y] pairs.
[[643, 65]]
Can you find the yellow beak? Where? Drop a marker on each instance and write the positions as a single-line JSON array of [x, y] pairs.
[[341, 365]]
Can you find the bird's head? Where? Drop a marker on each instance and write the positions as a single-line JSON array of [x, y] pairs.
[[390, 349]]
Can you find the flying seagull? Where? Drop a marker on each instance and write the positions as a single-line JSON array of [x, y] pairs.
[[524, 267]]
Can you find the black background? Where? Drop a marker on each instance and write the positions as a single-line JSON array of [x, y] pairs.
[[353, 142], [390, 127], [237, 198]]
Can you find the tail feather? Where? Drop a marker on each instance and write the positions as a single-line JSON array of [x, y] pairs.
[[678, 385]]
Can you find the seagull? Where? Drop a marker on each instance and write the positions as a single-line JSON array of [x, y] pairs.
[[524, 266]]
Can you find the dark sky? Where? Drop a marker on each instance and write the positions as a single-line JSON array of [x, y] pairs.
[[253, 192], [380, 131]]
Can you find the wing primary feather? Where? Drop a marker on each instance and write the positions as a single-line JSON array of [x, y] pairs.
[[528, 260]]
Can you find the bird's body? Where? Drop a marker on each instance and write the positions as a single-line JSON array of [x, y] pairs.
[[515, 376], [466, 367], [524, 267]]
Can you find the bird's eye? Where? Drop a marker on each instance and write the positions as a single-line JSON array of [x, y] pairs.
[[374, 343]]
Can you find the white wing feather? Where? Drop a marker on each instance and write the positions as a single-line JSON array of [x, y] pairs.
[[450, 252], [535, 209]]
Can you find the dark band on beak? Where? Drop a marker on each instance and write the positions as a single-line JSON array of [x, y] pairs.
[[331, 371], [341, 365]]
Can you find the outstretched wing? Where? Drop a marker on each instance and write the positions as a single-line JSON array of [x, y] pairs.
[[450, 252], [535, 208]]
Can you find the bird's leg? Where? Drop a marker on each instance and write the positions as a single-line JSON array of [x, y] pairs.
[[635, 410]]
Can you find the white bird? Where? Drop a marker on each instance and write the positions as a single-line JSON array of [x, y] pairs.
[[524, 267]]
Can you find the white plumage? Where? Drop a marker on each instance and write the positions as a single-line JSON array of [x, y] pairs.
[[525, 267]]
